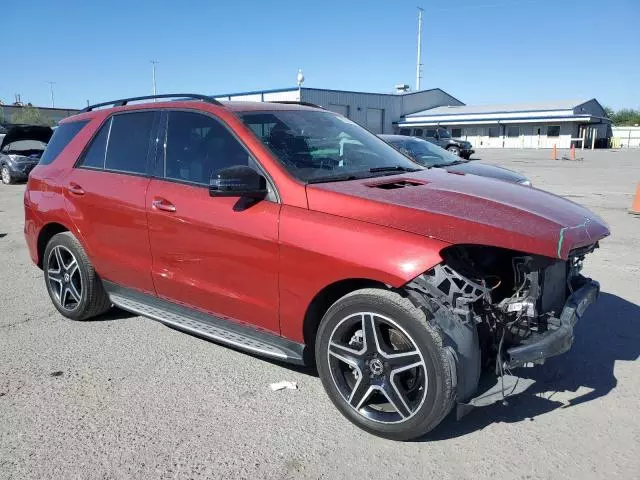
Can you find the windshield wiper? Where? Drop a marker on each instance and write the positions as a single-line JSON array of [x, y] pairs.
[[456, 162], [395, 168], [332, 178]]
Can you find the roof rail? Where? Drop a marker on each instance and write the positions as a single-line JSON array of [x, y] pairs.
[[124, 101], [295, 102]]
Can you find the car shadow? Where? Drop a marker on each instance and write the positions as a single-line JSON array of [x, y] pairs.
[[114, 313], [609, 331]]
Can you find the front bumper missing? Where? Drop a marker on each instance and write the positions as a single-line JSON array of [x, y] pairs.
[[559, 339]]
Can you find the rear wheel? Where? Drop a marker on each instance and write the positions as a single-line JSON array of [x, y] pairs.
[[72, 283], [453, 149], [5, 173], [384, 365]]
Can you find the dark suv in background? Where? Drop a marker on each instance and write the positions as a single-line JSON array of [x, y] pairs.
[[442, 138]]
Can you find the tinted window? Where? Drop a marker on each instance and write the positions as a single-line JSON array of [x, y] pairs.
[[198, 145], [494, 132], [431, 133], [553, 131], [60, 139], [404, 131], [417, 132], [94, 156], [129, 142]]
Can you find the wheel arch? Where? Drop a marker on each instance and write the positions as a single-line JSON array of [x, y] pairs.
[[321, 303], [45, 234]]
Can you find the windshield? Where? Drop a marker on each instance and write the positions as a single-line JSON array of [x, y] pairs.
[[425, 153], [323, 146]]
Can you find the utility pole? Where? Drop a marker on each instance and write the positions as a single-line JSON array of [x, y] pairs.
[[53, 102], [418, 61], [154, 63]]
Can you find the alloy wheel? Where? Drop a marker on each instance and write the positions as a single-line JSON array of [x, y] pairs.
[[63, 274], [6, 176], [377, 368]]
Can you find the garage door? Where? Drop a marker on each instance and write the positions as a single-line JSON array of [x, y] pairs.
[[374, 119]]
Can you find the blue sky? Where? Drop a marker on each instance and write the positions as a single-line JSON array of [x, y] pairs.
[[484, 51]]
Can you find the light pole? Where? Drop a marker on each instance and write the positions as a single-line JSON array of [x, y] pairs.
[[53, 102], [300, 80], [419, 60], [153, 63]]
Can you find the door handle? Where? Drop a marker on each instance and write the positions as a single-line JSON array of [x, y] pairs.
[[163, 204], [75, 189]]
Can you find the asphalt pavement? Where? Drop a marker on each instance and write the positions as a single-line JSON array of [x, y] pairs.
[[126, 397]]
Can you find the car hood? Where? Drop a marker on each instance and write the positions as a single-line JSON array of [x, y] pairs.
[[464, 209], [485, 170], [26, 132]]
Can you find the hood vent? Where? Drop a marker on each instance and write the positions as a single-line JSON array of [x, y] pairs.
[[396, 184]]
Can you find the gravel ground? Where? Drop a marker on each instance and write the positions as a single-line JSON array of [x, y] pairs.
[[126, 397]]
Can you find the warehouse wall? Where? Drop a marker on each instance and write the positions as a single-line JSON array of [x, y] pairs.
[[375, 111], [528, 136]]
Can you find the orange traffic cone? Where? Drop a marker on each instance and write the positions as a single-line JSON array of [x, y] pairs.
[[572, 152], [554, 154], [635, 206]]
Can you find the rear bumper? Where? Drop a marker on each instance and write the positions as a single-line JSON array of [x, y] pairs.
[[559, 338]]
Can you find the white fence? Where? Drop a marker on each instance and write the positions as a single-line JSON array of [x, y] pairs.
[[625, 137]]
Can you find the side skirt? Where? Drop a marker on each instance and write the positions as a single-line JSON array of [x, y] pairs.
[[206, 326]]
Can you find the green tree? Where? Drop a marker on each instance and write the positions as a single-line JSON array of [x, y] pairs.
[[609, 112], [31, 116], [626, 116]]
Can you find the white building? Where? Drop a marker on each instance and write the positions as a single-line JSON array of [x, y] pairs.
[[376, 111], [530, 125]]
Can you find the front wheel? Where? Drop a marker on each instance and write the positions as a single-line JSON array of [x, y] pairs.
[[5, 173], [383, 364], [453, 149]]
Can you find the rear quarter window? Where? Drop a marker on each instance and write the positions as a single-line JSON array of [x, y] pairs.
[[60, 139]]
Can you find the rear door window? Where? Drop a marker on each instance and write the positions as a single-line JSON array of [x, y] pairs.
[[129, 142], [96, 153], [62, 136]]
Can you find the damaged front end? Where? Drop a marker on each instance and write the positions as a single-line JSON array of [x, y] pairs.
[[500, 309]]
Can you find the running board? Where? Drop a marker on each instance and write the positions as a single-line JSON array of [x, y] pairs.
[[204, 325]]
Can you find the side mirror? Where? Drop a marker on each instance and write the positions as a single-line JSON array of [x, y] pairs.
[[238, 181]]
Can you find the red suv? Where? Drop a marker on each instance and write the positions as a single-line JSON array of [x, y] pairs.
[[291, 232]]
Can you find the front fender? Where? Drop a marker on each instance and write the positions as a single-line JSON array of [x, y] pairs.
[[318, 249]]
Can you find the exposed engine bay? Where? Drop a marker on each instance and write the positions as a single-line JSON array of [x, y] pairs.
[[503, 309]]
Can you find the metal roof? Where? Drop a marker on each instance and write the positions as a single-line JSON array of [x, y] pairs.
[[501, 108]]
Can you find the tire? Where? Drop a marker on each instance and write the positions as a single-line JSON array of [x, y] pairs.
[[424, 408], [75, 288], [453, 149], [5, 174]]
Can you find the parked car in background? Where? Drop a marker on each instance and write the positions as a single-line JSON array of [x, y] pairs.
[[20, 151], [442, 138], [429, 155], [291, 232]]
